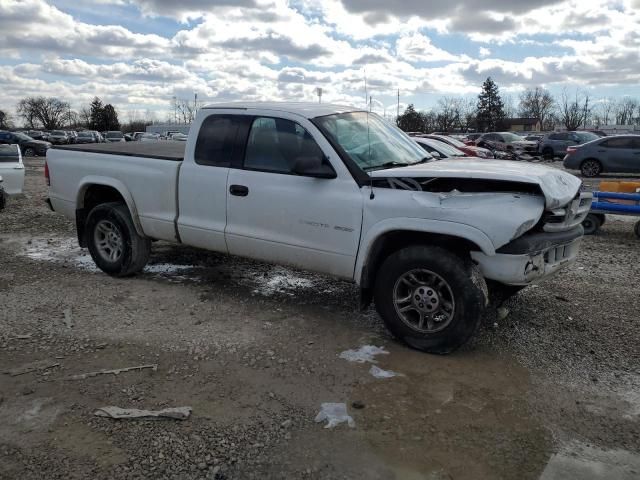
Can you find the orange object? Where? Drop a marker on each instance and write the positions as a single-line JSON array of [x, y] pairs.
[[621, 187]]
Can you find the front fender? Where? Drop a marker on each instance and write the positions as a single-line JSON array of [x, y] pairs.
[[420, 225]]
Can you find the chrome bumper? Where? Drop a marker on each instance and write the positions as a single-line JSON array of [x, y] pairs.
[[524, 269]]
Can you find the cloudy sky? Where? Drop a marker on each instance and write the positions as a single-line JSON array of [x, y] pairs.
[[138, 54]]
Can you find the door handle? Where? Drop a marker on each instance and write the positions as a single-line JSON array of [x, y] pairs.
[[239, 190]]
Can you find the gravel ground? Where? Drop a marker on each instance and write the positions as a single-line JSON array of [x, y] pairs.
[[551, 391]]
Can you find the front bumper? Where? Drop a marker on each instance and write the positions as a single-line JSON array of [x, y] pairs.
[[531, 259]]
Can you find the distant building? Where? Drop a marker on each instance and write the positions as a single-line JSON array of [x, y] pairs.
[[522, 124], [162, 128]]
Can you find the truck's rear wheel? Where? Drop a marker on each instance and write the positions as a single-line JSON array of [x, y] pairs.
[[429, 298], [114, 243]]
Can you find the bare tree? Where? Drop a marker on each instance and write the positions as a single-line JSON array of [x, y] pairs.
[[573, 111], [50, 112], [85, 116], [537, 103], [467, 109], [509, 107], [448, 114], [625, 111], [5, 120], [186, 111], [603, 112]]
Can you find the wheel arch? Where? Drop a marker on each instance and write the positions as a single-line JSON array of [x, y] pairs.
[[94, 191], [383, 240]]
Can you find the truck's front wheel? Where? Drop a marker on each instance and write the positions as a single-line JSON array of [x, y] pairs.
[[430, 298], [114, 243]]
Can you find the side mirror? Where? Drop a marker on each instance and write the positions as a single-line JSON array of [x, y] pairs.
[[313, 167]]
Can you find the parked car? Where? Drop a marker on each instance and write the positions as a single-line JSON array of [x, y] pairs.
[[11, 171], [136, 135], [86, 136], [470, 138], [149, 137], [438, 149], [618, 153], [470, 150], [554, 144], [507, 142], [114, 136], [336, 190], [28, 146], [178, 137], [72, 134], [128, 137], [59, 137], [38, 135]]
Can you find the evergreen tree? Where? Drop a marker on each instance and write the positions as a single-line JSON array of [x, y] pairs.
[[411, 120], [110, 118], [96, 117], [490, 107]]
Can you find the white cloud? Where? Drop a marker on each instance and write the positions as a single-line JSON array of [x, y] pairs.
[[484, 52]]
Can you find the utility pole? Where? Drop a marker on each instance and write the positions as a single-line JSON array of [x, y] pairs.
[[195, 106], [366, 93], [175, 109], [319, 93], [370, 103]]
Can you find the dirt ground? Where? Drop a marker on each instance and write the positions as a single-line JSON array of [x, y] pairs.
[[552, 391]]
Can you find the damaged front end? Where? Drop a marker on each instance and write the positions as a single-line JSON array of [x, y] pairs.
[[544, 250], [533, 224]]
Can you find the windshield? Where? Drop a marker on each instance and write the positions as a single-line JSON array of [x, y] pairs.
[[586, 136], [511, 137], [22, 137], [371, 142], [448, 150], [453, 141], [58, 133], [114, 135], [85, 134]]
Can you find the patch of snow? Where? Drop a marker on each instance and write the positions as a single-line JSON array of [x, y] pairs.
[[377, 372], [363, 354], [281, 280]]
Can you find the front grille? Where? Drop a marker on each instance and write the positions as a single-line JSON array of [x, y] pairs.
[[567, 217]]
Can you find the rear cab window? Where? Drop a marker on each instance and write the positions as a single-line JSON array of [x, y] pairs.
[[217, 142]]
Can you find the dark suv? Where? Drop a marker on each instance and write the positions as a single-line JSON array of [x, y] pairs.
[[28, 146], [555, 144]]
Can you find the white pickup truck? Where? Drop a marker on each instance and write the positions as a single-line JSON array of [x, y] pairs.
[[334, 190]]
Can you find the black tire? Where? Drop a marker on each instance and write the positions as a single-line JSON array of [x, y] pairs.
[[591, 168], [636, 229], [464, 294], [591, 223], [548, 153], [29, 152], [114, 218], [3, 198], [602, 217]]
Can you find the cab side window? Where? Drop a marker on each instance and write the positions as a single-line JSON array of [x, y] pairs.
[[217, 140], [276, 144]]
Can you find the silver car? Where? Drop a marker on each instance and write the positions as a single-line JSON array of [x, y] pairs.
[[555, 144], [620, 153]]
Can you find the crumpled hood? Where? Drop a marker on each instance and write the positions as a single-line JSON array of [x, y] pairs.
[[558, 186]]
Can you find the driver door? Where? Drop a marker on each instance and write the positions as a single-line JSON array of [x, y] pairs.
[[276, 215]]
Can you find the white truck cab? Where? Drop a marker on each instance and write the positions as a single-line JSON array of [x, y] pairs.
[[335, 190]]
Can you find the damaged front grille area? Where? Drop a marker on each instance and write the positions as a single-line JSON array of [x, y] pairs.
[[569, 216]]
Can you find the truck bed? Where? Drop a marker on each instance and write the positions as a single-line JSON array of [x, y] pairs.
[[162, 149]]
